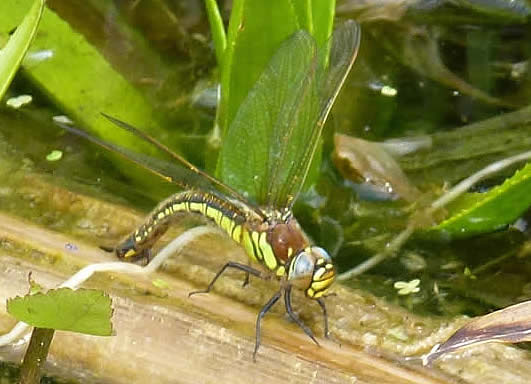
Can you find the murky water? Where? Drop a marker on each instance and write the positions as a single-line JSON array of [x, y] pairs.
[[421, 72]]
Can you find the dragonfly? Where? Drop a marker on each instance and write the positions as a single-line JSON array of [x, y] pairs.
[[285, 111]]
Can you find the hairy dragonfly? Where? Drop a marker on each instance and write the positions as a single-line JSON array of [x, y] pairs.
[[283, 117]]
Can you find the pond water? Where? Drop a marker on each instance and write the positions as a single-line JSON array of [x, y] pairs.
[[426, 71]]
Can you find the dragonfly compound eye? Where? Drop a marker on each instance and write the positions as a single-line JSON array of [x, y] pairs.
[[313, 271]]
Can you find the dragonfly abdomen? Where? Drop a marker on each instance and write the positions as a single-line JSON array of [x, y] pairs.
[[225, 215], [268, 244]]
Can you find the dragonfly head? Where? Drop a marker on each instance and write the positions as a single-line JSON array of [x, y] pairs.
[[311, 269]]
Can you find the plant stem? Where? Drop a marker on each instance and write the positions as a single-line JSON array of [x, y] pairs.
[[217, 29], [394, 246], [35, 357]]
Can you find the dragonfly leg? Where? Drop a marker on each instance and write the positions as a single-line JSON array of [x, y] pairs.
[[325, 316], [294, 317], [231, 264], [247, 279], [261, 314]]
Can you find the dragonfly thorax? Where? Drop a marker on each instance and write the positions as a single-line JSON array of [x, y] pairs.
[[286, 238]]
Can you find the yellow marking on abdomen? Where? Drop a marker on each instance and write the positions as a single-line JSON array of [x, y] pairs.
[[197, 207], [211, 213], [130, 253], [227, 224], [218, 215], [179, 207]]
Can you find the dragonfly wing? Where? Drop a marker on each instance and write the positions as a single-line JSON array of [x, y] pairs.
[[335, 62], [170, 172], [284, 113], [195, 174], [253, 145], [183, 174]]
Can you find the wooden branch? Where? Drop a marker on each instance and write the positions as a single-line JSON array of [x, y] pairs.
[[162, 336]]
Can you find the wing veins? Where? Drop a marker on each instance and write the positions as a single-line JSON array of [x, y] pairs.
[[306, 85], [141, 134], [334, 80], [143, 161], [156, 166]]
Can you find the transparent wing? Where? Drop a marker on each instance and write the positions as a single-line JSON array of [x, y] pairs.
[[335, 62], [268, 148], [185, 174], [252, 145]]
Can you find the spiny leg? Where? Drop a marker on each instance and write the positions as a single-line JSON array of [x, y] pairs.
[[261, 314], [294, 317], [325, 316], [231, 264], [247, 278]]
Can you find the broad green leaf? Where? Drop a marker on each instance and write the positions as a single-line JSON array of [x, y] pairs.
[[80, 81], [85, 311], [323, 13], [13, 52], [475, 213]]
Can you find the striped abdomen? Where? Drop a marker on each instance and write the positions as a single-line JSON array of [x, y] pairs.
[[269, 244], [224, 214]]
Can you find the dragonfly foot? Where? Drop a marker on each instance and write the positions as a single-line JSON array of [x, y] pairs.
[[246, 281], [295, 318], [190, 294], [231, 264]]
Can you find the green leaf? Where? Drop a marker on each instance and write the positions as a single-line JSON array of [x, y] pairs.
[[73, 74], [475, 213], [12, 54], [217, 29], [85, 311], [323, 20]]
